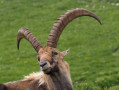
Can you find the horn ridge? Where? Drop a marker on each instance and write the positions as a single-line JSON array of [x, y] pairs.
[[62, 22], [26, 34]]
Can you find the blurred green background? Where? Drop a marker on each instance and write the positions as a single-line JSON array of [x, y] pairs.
[[94, 55]]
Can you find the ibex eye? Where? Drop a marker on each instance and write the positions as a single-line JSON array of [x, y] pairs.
[[38, 58], [55, 53]]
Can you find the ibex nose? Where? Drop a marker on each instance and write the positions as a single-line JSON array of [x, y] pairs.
[[43, 64]]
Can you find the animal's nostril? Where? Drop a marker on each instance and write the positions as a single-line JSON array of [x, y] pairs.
[[43, 64]]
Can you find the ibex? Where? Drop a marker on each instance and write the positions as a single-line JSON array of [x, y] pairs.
[[55, 73]]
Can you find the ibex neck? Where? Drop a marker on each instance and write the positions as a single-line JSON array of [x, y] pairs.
[[59, 81]]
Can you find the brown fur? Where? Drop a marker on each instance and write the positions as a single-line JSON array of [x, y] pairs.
[[45, 52]]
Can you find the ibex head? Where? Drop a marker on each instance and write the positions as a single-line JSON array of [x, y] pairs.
[[50, 59]]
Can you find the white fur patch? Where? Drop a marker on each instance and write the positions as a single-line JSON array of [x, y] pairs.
[[37, 75]]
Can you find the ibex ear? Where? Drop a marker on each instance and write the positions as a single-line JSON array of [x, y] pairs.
[[64, 53]]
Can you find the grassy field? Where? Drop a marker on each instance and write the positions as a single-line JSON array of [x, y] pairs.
[[94, 55]]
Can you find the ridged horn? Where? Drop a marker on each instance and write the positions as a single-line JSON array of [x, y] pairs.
[[63, 20], [25, 33]]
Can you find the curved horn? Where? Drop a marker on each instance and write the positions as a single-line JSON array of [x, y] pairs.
[[63, 20], [25, 33]]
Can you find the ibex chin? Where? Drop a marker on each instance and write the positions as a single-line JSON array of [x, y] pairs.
[[55, 73]]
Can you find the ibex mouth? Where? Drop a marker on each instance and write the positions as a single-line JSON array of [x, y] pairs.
[[45, 66], [47, 70]]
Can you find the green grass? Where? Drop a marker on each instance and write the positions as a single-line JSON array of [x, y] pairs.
[[93, 61]]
